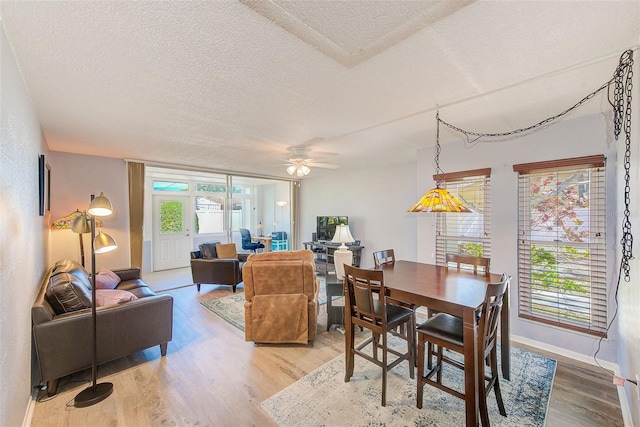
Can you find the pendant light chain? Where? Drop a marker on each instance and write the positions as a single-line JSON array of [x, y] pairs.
[[622, 113], [626, 61], [437, 159], [621, 84]]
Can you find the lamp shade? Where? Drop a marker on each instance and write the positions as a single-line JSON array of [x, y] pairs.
[[100, 206], [104, 243], [81, 224], [343, 234], [439, 200]]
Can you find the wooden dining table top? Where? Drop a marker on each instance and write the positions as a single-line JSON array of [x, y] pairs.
[[425, 284]]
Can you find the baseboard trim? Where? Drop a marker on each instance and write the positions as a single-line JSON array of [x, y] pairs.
[[564, 352], [622, 398], [31, 406]]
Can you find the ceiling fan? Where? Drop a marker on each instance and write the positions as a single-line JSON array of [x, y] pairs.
[[300, 161]]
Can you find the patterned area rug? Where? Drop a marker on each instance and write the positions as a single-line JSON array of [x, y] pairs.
[[322, 398], [231, 307]]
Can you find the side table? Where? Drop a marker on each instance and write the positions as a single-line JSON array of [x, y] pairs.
[[335, 288]]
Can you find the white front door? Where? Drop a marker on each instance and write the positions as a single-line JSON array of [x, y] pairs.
[[171, 235]]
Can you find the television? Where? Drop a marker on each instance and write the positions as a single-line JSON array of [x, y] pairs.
[[326, 226]]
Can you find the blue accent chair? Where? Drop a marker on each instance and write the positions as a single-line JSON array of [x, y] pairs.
[[247, 244]]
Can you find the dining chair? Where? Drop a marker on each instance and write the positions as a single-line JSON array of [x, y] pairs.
[[384, 257], [458, 260], [473, 261], [367, 306], [445, 331]]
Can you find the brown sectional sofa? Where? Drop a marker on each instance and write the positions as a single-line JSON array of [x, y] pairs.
[[61, 319]]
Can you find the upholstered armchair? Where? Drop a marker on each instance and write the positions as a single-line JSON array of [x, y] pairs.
[[217, 264], [281, 297]]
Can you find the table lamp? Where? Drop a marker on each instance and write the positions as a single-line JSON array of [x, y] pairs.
[[260, 229], [342, 255]]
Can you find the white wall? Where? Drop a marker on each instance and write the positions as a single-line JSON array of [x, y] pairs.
[[74, 178], [24, 238], [569, 138], [375, 200], [629, 293]]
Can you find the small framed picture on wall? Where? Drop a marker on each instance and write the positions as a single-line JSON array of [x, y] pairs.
[[41, 183]]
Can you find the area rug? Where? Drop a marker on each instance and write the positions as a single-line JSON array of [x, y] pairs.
[[322, 398], [231, 307]]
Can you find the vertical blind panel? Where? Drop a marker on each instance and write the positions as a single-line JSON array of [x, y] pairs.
[[466, 233], [561, 247]]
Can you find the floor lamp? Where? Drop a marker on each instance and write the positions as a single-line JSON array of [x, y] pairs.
[[100, 243]]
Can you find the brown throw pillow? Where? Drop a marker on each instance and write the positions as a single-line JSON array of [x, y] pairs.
[[227, 250]]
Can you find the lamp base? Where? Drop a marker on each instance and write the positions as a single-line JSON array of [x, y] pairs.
[[92, 395], [341, 257]]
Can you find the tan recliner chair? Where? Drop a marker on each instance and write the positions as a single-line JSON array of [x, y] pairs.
[[281, 297]]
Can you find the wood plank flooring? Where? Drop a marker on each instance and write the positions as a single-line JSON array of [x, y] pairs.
[[212, 377]]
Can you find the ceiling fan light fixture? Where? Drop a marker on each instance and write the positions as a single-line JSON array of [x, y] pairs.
[[292, 169], [305, 169]]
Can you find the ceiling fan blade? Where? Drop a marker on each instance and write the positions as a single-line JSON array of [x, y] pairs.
[[322, 165], [312, 141]]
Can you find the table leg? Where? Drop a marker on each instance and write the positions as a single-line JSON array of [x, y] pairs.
[[505, 340], [349, 341], [471, 366]]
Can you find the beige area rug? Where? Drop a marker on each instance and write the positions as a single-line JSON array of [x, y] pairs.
[[322, 398]]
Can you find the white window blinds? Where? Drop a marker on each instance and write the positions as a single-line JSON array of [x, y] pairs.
[[466, 233], [561, 243]]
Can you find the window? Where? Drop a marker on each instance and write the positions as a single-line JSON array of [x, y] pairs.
[[466, 233], [170, 186], [209, 209], [561, 243]]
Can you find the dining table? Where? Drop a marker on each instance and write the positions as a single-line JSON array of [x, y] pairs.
[[459, 293]]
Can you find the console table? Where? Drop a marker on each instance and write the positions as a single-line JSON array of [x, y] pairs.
[[323, 252]]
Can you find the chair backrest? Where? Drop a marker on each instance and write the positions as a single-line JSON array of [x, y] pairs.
[[246, 240], [384, 257], [274, 273], [246, 235], [488, 323], [475, 261], [364, 292]]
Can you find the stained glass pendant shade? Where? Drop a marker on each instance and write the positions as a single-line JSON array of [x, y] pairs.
[[439, 200]]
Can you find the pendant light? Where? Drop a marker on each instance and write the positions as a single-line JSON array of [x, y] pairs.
[[439, 199]]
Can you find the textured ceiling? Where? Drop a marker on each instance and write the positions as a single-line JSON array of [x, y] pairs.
[[231, 85]]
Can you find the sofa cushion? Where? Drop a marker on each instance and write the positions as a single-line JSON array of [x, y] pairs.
[[209, 250], [113, 296], [137, 287], [227, 250], [66, 293], [107, 279]]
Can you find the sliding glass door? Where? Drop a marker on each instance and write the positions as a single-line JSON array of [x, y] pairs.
[[217, 207]]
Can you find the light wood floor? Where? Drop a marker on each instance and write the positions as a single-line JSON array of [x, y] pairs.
[[212, 377]]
